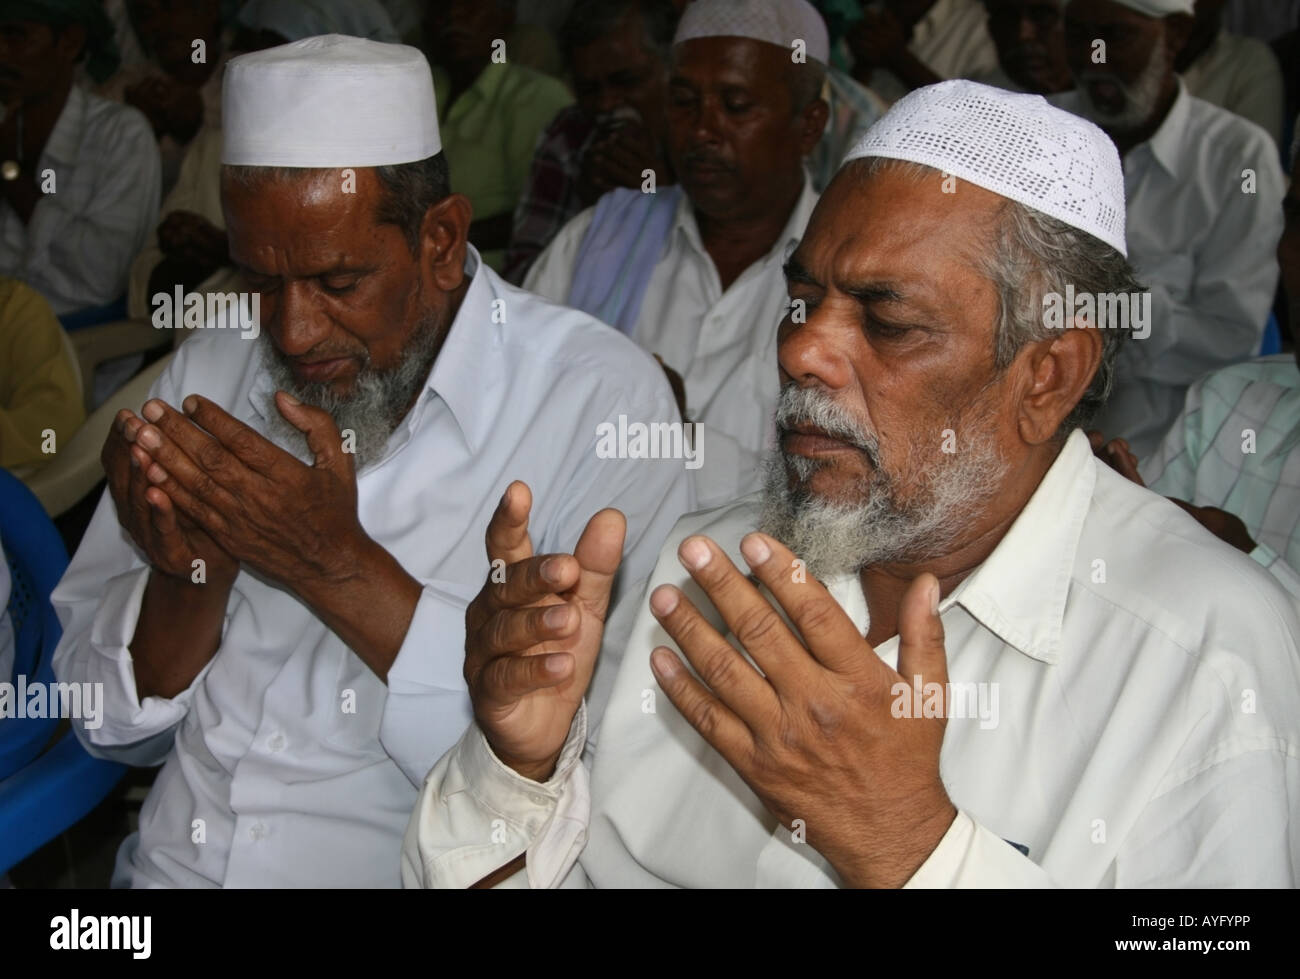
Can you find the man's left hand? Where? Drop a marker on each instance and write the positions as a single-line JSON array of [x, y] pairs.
[[814, 734]]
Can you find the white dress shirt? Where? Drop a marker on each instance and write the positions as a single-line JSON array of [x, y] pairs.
[[302, 765], [1241, 74], [723, 343], [77, 247], [1148, 727], [1204, 247]]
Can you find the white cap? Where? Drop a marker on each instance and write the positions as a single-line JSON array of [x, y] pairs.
[[329, 101], [1017, 146], [779, 22], [1160, 8]]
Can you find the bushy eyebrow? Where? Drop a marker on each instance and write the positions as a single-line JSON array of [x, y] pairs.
[[866, 292]]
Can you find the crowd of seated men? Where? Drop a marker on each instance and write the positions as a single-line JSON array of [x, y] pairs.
[[697, 442]]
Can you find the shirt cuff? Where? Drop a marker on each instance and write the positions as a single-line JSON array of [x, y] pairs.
[[971, 856], [476, 814], [127, 719], [426, 708]]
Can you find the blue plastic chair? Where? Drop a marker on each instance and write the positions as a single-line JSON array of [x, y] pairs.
[[42, 793]]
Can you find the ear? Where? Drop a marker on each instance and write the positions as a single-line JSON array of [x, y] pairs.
[[812, 124], [1059, 371], [444, 237]]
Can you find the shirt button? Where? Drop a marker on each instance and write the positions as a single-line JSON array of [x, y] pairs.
[[256, 832], [277, 742], [539, 800]]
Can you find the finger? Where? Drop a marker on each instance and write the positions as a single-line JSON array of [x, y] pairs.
[[826, 629], [252, 449], [507, 532], [921, 652], [210, 463], [516, 630], [162, 514], [732, 679], [529, 581], [208, 512], [751, 618], [164, 462], [599, 553], [506, 679], [323, 436], [703, 711]]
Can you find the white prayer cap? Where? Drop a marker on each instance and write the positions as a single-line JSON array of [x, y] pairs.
[[779, 22], [329, 101], [1160, 8], [1017, 146]]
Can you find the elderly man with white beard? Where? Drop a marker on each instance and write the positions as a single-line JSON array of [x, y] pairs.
[[272, 592], [958, 649], [1204, 190]]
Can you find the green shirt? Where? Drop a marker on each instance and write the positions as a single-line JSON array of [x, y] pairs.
[[490, 133]]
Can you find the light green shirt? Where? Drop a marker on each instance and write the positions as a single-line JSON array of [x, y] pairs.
[[1236, 446], [490, 133]]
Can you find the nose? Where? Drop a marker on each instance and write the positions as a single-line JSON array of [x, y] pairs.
[[815, 351], [295, 320]]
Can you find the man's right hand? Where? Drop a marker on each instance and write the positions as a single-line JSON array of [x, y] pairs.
[[169, 540], [532, 635]]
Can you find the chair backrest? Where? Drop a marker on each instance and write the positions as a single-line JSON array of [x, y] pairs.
[[37, 560]]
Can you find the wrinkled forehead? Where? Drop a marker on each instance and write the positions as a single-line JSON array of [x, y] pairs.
[[905, 217], [741, 60]]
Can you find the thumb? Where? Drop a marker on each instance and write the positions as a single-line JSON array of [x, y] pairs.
[[920, 635], [323, 437], [599, 553]]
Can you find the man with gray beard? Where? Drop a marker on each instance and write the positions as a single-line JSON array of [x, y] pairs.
[[273, 590], [1204, 191], [959, 650]]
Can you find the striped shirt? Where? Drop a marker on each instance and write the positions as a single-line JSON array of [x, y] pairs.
[[1236, 446]]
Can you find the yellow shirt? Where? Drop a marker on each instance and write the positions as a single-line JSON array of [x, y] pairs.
[[490, 133], [38, 388]]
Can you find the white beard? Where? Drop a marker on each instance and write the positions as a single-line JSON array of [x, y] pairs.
[[372, 411], [1140, 98], [837, 537]]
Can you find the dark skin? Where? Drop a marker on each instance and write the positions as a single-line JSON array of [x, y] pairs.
[[737, 143], [36, 69], [621, 82], [167, 30], [336, 287], [459, 36], [880, 39], [1130, 38], [193, 248], [1206, 26], [1030, 38], [899, 330]]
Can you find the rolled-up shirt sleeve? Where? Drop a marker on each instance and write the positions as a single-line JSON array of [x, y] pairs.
[[475, 816], [98, 603]]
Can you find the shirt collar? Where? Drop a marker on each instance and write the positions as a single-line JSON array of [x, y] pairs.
[[467, 366], [1167, 143], [64, 142], [1020, 590]]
